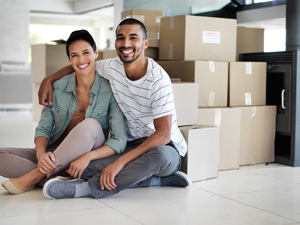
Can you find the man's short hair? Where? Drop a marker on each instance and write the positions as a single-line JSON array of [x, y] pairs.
[[80, 35], [131, 21]]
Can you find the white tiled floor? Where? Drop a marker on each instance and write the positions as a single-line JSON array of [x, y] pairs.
[[251, 195]]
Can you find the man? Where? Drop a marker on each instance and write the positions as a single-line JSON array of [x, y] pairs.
[[144, 93]]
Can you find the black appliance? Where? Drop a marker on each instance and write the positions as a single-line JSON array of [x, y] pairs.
[[283, 90]]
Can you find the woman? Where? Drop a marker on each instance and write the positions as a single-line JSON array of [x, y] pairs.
[[83, 112]]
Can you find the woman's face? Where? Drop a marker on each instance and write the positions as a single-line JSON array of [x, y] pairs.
[[82, 57]]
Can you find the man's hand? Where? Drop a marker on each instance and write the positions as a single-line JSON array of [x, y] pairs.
[[107, 179], [45, 90], [78, 166], [45, 164]]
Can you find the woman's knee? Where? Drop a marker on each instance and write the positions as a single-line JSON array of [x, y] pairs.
[[89, 127]]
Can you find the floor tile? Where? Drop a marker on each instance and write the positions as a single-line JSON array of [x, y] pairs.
[[241, 181], [96, 216], [285, 203], [17, 129], [291, 174], [2, 179], [154, 194], [263, 166], [214, 210], [34, 202]]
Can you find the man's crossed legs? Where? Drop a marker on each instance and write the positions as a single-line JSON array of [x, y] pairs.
[[158, 167]]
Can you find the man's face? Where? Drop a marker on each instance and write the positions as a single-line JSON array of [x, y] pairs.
[[130, 43]]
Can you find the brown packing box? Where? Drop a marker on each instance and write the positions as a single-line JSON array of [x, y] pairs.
[[147, 17], [201, 161], [186, 100], [249, 40], [247, 83], [36, 107], [152, 53], [229, 121], [197, 38], [108, 54], [153, 35], [47, 59], [258, 127], [211, 76]]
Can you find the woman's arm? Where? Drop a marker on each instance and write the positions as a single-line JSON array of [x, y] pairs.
[[46, 85], [78, 166]]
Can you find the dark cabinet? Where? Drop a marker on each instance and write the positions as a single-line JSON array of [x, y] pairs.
[[283, 90]]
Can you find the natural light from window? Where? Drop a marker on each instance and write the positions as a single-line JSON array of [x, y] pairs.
[[274, 40]]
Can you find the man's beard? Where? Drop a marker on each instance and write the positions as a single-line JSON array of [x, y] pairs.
[[132, 60]]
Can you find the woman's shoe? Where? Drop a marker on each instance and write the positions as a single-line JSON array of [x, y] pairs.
[[11, 188]]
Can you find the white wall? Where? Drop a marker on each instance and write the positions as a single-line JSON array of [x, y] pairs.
[[14, 38]]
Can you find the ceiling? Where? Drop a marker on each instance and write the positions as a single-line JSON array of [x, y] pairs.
[[101, 12]]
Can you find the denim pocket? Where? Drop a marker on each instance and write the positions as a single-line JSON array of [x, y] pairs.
[[102, 117], [59, 115]]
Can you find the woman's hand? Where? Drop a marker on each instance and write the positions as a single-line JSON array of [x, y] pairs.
[[45, 164], [78, 166]]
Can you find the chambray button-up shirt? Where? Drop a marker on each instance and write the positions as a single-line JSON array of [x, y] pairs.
[[102, 107]]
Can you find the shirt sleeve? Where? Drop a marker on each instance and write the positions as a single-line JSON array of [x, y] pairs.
[[117, 128], [162, 98], [102, 67], [45, 125]]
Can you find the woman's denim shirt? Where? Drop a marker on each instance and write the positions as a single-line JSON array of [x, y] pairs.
[[102, 107]]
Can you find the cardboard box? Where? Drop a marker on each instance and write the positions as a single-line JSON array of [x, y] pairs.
[[153, 36], [211, 76], [186, 101], [36, 107], [249, 40], [147, 17], [258, 128], [152, 53], [197, 38], [46, 60], [108, 54], [229, 121], [201, 161], [247, 83]]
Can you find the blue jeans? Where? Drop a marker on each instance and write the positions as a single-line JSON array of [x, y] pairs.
[[160, 161]]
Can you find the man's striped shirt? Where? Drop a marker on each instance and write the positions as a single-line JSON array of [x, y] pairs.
[[143, 100]]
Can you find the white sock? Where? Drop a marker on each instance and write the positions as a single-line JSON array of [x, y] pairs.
[[155, 181], [82, 190]]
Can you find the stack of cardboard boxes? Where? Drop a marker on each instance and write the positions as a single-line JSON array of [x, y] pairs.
[[231, 95]]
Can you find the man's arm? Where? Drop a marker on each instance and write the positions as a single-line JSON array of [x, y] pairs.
[[161, 136], [46, 85]]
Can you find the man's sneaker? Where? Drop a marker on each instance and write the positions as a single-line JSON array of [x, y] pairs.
[[178, 179], [57, 188]]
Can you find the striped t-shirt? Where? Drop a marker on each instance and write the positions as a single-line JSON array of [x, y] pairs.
[[143, 100]]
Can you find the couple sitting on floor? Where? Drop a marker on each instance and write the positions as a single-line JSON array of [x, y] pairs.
[[129, 97]]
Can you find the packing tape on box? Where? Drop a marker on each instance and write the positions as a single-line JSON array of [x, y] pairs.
[[152, 35], [157, 19], [248, 68], [211, 100], [248, 100], [212, 66], [254, 111], [139, 17], [171, 51], [218, 116], [172, 21]]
